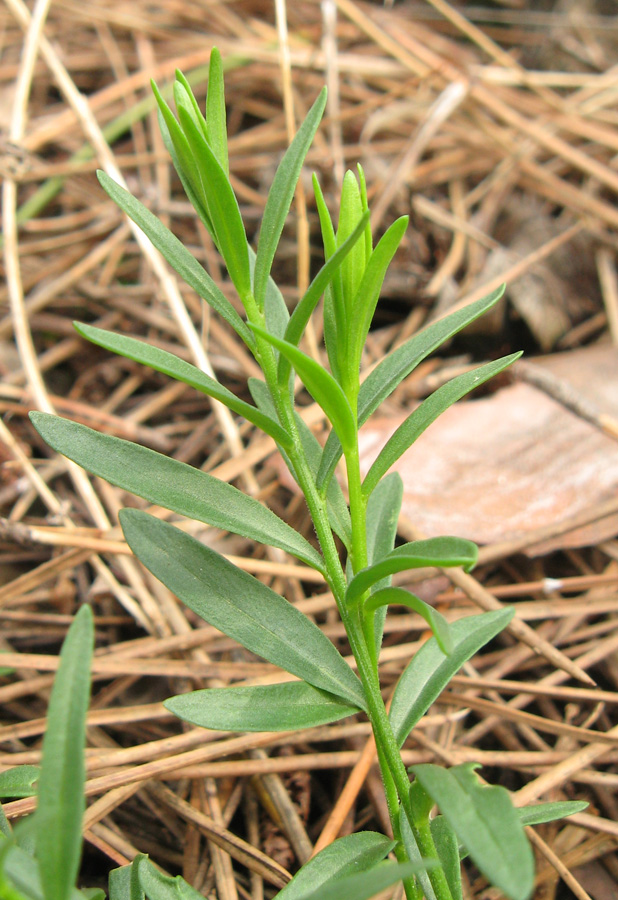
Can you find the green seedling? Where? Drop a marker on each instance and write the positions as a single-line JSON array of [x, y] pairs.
[[474, 820]]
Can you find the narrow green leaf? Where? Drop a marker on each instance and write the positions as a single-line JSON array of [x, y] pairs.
[[173, 485], [430, 670], [194, 195], [368, 292], [309, 301], [383, 508], [440, 551], [321, 385], [436, 621], [270, 707], [486, 823], [549, 812], [177, 368], [188, 95], [215, 110], [276, 312], [239, 605], [5, 828], [19, 781], [350, 214], [363, 885], [184, 160], [414, 855], [335, 335], [61, 801], [428, 412], [180, 259], [447, 845], [345, 856], [280, 197], [222, 206], [391, 371], [163, 887]]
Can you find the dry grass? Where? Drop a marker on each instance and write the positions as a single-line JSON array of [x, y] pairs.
[[474, 125]]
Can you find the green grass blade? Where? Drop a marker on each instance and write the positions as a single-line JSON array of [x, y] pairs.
[[440, 551], [398, 596], [215, 110], [177, 368], [222, 205], [180, 259], [430, 671], [269, 707], [383, 380], [61, 801], [346, 856], [239, 605], [172, 485], [321, 385], [428, 412], [485, 822], [280, 197]]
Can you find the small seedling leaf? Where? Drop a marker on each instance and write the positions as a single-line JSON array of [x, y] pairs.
[[19, 781], [430, 670], [549, 812], [280, 197], [172, 484], [269, 707], [179, 369], [61, 801], [439, 551], [428, 412], [436, 621], [239, 605], [485, 822], [363, 885], [346, 856]]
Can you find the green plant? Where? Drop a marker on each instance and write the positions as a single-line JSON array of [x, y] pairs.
[[474, 819]]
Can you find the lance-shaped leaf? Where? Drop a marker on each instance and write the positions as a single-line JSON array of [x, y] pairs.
[[180, 259], [383, 508], [346, 856], [485, 822], [447, 846], [163, 887], [276, 312], [428, 412], [61, 801], [221, 203], [541, 813], [263, 707], [239, 605], [430, 671], [368, 292], [280, 197], [439, 551], [215, 110], [436, 621], [187, 94], [363, 885], [350, 213], [173, 485], [19, 781], [309, 301], [391, 371], [335, 334], [177, 368], [321, 385]]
